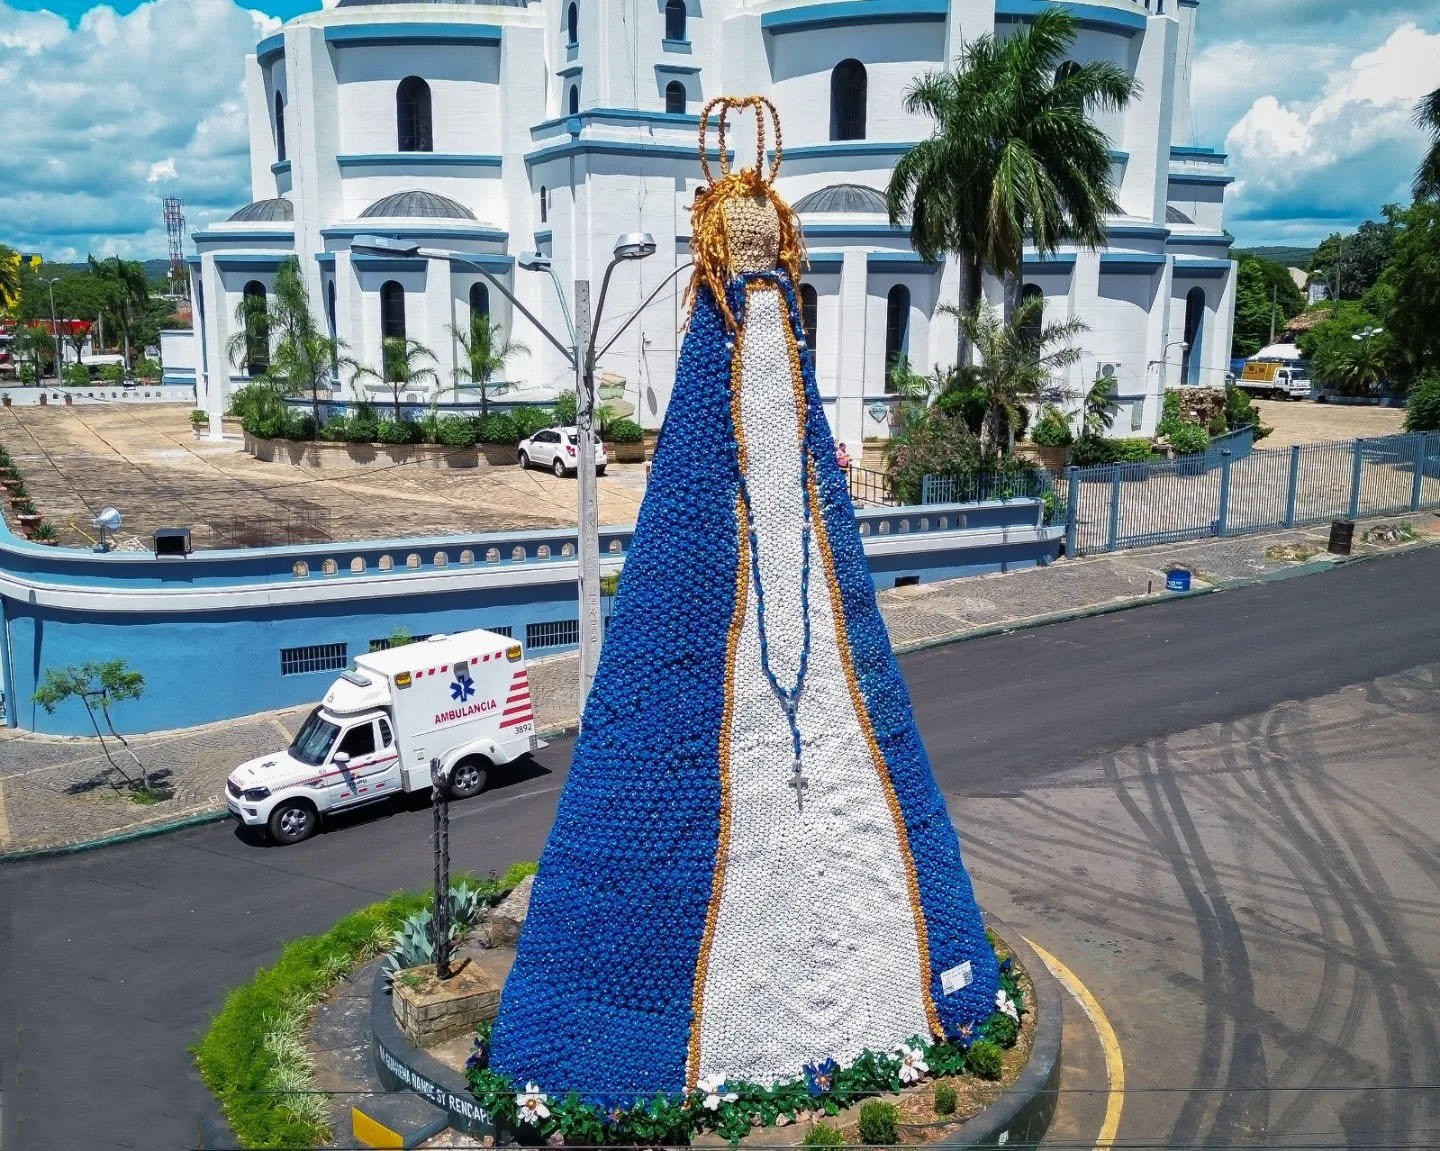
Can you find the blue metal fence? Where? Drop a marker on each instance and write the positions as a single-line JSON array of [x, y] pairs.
[[1136, 505], [973, 487]]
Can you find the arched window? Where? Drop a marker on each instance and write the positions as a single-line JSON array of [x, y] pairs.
[[572, 26], [574, 99], [809, 308], [412, 115], [257, 328], [897, 325], [544, 204], [1193, 354], [279, 129], [847, 101], [392, 310], [1032, 307], [674, 97], [674, 19], [334, 330], [479, 301]]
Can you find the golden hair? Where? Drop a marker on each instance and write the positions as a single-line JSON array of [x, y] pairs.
[[709, 240]]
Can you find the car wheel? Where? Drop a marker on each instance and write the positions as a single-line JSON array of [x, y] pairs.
[[293, 821], [558, 468], [468, 778], [600, 471], [524, 460]]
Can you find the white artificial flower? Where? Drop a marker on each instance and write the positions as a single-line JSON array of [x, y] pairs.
[[912, 1063], [713, 1088], [530, 1104], [1004, 1003]]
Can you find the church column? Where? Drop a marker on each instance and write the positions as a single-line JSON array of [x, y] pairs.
[[440, 316], [850, 370]]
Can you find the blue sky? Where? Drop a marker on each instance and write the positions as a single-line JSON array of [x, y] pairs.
[[109, 107]]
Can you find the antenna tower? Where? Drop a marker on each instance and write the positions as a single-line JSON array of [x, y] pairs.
[[175, 232]]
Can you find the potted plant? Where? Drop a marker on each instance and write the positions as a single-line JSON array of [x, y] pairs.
[[199, 422], [1052, 438], [626, 441], [5, 398], [18, 494], [46, 533], [28, 515]]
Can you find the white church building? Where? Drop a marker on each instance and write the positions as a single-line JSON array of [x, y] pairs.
[[484, 130]]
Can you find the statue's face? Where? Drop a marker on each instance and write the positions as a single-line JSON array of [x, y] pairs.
[[752, 228]]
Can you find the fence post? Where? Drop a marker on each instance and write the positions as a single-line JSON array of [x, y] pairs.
[[1072, 511], [1114, 508], [1222, 521], [1294, 485], [1417, 481], [925, 489], [1355, 475]]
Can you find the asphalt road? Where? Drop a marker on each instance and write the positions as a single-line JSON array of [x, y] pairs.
[[1060, 749]]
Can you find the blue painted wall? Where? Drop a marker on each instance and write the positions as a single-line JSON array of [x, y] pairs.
[[221, 662]]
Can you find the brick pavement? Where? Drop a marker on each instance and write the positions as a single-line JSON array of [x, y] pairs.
[[54, 791]]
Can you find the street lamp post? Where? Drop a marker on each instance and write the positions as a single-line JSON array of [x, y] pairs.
[[1164, 359], [581, 354]]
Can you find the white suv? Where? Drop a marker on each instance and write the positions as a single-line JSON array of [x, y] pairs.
[[554, 448]]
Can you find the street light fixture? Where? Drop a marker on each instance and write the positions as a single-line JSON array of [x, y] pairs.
[[580, 353], [1164, 359]]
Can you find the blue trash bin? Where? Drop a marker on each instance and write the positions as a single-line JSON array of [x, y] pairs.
[[1177, 579]]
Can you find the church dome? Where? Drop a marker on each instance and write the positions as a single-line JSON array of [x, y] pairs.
[[843, 198], [460, 3], [418, 204], [278, 210]]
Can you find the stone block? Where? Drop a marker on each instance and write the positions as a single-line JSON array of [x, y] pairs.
[[431, 1012], [507, 919]]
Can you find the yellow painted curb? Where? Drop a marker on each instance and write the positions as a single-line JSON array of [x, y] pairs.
[[371, 1133], [1114, 1061]]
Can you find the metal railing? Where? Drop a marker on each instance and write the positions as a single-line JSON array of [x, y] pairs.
[[1137, 505], [974, 487], [870, 488]]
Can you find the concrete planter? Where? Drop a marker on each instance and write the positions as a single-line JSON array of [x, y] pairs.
[[627, 453], [323, 454], [5, 400], [1053, 459], [498, 455]]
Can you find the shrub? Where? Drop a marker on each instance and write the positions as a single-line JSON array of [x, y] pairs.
[[945, 1100], [823, 1135], [985, 1059], [1134, 451], [1241, 412], [1422, 408], [935, 444], [364, 424], [336, 429], [26, 372], [398, 432], [529, 419], [299, 425], [1092, 451], [265, 425], [251, 399], [199, 417], [879, 1121], [1188, 440], [455, 432], [1002, 1029], [113, 373], [625, 432], [565, 405], [77, 376], [147, 369], [497, 428], [1053, 430]]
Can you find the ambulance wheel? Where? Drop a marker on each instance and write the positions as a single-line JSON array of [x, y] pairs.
[[293, 821], [559, 468], [468, 778]]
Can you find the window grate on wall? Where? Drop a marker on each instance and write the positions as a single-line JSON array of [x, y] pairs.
[[315, 657], [504, 629], [552, 633], [387, 643]]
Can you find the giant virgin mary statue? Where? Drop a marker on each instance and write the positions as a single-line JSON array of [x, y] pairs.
[[751, 868]]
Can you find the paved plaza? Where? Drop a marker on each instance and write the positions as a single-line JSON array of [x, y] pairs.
[[56, 791]]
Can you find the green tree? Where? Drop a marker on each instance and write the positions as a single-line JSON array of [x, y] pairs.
[[401, 367], [98, 686], [1014, 155], [9, 278], [1019, 362], [36, 342], [1353, 264], [1262, 287], [1347, 350], [1427, 117], [1409, 293], [487, 350], [80, 296], [127, 293]]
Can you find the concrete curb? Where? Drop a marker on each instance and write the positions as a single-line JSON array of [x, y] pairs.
[[561, 731]]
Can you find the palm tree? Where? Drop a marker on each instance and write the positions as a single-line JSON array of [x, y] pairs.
[[1013, 155], [1427, 116], [127, 293], [9, 278], [487, 349], [400, 367], [1019, 361]]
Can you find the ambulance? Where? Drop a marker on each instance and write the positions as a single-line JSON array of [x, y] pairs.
[[461, 699]]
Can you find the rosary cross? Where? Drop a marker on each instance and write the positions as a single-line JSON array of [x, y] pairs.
[[799, 783]]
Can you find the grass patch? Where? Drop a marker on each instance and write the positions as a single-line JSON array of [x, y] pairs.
[[1291, 553], [253, 1057]]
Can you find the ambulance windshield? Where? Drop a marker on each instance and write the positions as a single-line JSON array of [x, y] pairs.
[[313, 740]]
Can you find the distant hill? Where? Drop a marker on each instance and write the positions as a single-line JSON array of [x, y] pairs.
[[1290, 257]]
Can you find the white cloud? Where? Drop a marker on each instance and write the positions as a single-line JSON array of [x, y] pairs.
[[102, 119], [1319, 160]]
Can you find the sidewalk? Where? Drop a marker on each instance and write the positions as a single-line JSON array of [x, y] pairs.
[[54, 792]]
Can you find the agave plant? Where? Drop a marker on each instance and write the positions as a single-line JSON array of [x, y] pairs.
[[413, 943]]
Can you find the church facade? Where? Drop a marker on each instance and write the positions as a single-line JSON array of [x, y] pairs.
[[472, 134]]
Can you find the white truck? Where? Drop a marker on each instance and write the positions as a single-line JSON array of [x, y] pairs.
[[463, 699], [1278, 372]]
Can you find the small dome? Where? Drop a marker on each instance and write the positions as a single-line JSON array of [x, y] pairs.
[[278, 210], [1174, 215], [463, 3], [418, 204], [843, 198]]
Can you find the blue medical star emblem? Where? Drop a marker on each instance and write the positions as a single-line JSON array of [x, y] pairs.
[[462, 689]]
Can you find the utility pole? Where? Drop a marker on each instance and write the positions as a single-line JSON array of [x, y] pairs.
[[1274, 296], [589, 510]]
